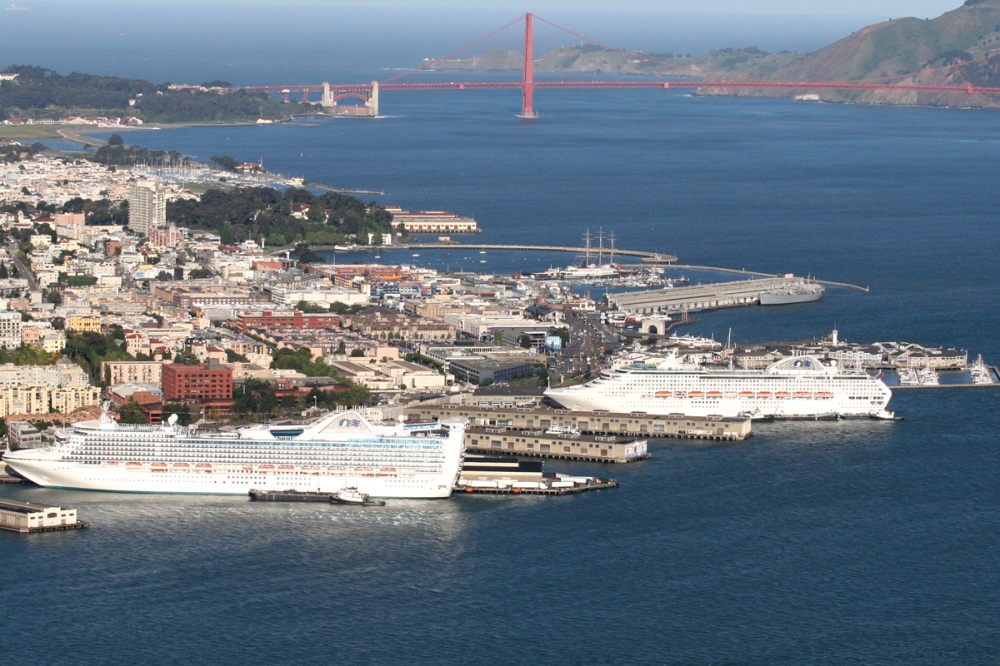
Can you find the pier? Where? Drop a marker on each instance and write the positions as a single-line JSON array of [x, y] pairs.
[[654, 257], [598, 484], [598, 423], [28, 517]]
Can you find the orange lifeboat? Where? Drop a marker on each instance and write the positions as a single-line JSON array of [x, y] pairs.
[[286, 468], [746, 394], [387, 471], [763, 394], [663, 394], [181, 466], [781, 395], [364, 471], [803, 394], [339, 471], [680, 394], [696, 394], [824, 395], [265, 468], [311, 470], [159, 467], [112, 463], [203, 467], [715, 395], [134, 465]]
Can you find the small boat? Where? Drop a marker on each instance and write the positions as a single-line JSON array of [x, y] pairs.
[[286, 468], [803, 394], [181, 466], [714, 394], [386, 471], [663, 394], [339, 471], [746, 394], [134, 465], [696, 394], [824, 395], [203, 466], [310, 470], [354, 497], [113, 463], [265, 468], [782, 395], [159, 467]]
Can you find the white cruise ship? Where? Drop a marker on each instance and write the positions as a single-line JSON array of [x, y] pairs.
[[796, 387], [338, 451]]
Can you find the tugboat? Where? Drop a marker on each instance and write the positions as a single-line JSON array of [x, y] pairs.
[[355, 497]]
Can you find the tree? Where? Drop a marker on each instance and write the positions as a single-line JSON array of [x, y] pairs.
[[131, 412], [115, 140]]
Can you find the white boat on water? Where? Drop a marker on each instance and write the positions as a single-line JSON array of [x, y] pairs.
[[340, 450], [794, 387]]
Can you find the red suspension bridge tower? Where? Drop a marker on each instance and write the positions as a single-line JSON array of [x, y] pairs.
[[528, 82]]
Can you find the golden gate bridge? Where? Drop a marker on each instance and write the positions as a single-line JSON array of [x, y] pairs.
[[368, 93]]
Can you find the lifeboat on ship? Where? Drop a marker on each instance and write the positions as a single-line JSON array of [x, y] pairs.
[[286, 468], [714, 395], [265, 468], [680, 394], [802, 394], [364, 471], [824, 395], [134, 466], [386, 471], [203, 467], [339, 471], [663, 394], [746, 394], [310, 470], [112, 463], [183, 466], [696, 394], [159, 467], [763, 394], [782, 395]]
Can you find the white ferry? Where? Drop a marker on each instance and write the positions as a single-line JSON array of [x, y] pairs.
[[795, 387], [341, 450]]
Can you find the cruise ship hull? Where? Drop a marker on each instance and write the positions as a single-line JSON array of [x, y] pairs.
[[340, 451], [795, 388], [104, 477]]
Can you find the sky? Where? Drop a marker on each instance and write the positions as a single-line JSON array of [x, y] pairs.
[[284, 41]]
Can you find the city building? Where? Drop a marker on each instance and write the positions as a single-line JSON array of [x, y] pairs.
[[147, 206], [23, 435], [203, 381]]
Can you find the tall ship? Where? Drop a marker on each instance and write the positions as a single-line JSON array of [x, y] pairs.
[[794, 387], [589, 267], [340, 450]]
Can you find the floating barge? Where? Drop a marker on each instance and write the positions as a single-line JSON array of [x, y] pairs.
[[290, 496], [494, 475], [28, 517], [353, 499]]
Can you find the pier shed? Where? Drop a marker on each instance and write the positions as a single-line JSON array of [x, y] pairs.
[[19, 516]]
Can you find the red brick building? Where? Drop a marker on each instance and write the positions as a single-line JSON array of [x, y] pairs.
[[197, 382], [248, 321]]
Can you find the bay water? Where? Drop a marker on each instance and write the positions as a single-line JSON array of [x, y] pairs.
[[811, 543]]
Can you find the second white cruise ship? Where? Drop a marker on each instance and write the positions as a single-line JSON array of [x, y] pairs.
[[338, 451], [795, 387]]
